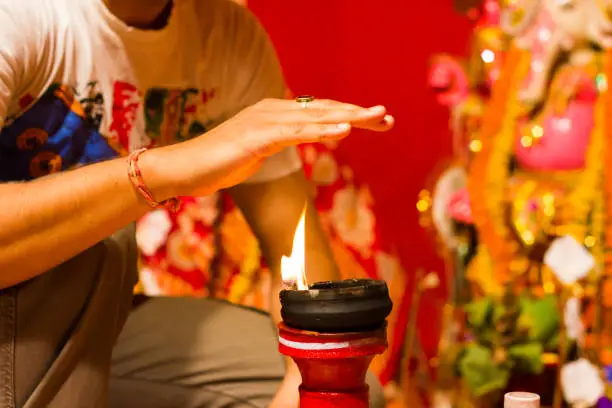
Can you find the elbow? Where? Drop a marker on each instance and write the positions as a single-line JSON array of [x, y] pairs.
[[17, 267], [14, 272]]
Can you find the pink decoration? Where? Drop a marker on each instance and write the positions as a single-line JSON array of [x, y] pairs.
[[459, 207], [566, 135], [490, 14], [448, 78]]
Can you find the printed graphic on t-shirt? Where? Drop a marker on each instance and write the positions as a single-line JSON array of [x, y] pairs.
[[126, 101], [172, 115], [57, 132], [61, 129]]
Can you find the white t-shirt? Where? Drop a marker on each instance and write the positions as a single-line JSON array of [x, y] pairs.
[[78, 86]]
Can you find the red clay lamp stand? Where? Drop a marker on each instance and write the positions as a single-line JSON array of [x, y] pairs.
[[332, 331]]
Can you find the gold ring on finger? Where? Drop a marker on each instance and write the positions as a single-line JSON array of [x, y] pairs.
[[304, 100]]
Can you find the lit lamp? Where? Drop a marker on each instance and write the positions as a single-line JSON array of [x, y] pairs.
[[332, 330]]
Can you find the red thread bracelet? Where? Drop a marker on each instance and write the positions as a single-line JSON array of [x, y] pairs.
[[135, 176]]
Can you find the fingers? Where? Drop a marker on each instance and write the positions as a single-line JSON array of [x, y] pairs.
[[375, 124], [326, 104], [318, 107], [386, 124], [291, 104], [291, 134], [328, 111], [333, 115], [373, 119], [322, 111]]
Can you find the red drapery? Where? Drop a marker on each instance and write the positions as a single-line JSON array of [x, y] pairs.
[[377, 52]]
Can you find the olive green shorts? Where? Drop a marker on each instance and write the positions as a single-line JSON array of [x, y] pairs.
[[71, 338]]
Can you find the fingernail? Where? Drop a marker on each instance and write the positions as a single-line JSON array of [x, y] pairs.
[[344, 126], [387, 119], [377, 109]]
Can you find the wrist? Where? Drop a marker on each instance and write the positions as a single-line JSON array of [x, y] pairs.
[[158, 174]]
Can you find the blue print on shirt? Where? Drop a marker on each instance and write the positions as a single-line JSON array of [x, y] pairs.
[[56, 133]]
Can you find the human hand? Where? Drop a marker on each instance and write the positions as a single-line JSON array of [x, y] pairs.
[[288, 395], [233, 151]]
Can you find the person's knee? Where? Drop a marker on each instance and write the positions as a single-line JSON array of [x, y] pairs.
[[377, 396], [208, 348], [231, 351]]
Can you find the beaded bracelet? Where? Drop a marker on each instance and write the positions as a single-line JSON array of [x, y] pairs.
[[135, 176]]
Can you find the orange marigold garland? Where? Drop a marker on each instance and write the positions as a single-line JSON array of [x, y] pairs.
[[489, 174], [607, 179], [482, 182], [602, 217], [582, 202], [607, 154]]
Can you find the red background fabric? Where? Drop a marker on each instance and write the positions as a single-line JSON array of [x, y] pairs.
[[377, 52]]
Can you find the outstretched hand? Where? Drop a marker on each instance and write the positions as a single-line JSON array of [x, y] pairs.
[[233, 151], [284, 123]]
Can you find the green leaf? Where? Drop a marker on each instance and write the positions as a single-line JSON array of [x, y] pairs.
[[479, 372], [486, 336], [542, 318], [527, 357], [479, 312], [451, 355], [553, 343]]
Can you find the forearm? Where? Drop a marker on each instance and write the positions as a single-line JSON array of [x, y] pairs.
[[49, 220]]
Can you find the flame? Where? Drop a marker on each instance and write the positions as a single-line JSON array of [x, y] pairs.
[[293, 267]]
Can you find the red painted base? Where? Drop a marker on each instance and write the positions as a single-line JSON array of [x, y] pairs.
[[333, 366], [359, 399]]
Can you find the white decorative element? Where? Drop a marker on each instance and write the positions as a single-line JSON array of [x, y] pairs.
[[568, 260], [487, 56], [451, 181], [149, 283], [298, 345], [573, 323], [152, 231], [544, 34], [581, 383]]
